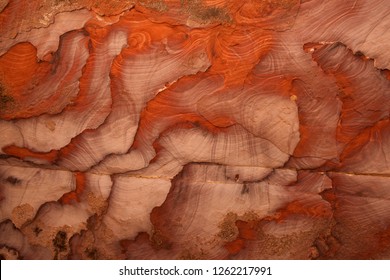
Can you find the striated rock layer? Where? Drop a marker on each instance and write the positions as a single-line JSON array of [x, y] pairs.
[[195, 129]]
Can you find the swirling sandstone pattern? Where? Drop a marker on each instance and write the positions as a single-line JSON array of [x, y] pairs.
[[195, 129]]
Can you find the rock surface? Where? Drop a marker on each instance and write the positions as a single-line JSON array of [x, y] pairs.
[[195, 129]]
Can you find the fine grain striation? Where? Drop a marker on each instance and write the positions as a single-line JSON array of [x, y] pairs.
[[194, 129]]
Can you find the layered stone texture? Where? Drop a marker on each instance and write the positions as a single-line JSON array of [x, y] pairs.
[[195, 129]]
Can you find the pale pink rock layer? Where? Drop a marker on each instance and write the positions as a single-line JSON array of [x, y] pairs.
[[195, 129]]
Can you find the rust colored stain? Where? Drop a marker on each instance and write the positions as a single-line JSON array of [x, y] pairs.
[[74, 196], [195, 129], [234, 247], [24, 153], [387, 73], [384, 240], [19, 74], [247, 230]]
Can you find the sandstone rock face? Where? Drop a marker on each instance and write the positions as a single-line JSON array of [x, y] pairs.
[[195, 129]]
